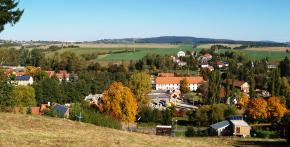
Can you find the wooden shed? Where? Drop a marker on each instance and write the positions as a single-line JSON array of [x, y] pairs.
[[240, 128], [163, 130]]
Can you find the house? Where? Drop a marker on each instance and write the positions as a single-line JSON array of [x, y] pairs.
[[231, 127], [204, 65], [93, 98], [61, 111], [205, 58], [24, 80], [173, 83], [219, 64], [243, 86], [63, 75], [181, 54]]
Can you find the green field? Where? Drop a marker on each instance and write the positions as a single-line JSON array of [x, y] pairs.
[[127, 54]]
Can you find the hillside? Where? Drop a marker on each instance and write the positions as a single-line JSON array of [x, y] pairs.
[[26, 130], [188, 40]]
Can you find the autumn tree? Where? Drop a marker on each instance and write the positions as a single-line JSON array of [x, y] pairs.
[[257, 109], [276, 109], [140, 84], [244, 100], [184, 86], [119, 102], [9, 13]]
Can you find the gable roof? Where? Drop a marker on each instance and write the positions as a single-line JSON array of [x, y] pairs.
[[22, 78], [176, 80], [221, 124], [239, 123]]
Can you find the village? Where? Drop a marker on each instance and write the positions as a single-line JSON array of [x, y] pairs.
[[166, 93]]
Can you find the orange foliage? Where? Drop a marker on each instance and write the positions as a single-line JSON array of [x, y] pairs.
[[244, 100], [276, 108], [257, 108], [119, 102]]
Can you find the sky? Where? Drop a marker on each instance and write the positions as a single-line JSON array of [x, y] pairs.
[[87, 20]]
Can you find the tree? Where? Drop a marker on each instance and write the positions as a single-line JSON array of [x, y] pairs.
[[244, 100], [285, 67], [9, 13], [257, 109], [184, 86], [25, 96], [6, 90], [276, 109], [140, 84], [119, 102]]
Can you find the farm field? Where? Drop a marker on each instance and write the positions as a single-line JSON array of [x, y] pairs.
[[27, 130], [119, 52]]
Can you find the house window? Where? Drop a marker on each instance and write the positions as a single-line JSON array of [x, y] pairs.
[[238, 130]]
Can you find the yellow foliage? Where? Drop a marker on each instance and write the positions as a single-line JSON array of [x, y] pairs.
[[276, 108], [119, 102], [257, 108], [244, 100]]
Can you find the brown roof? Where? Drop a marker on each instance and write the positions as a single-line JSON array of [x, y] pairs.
[[166, 75], [236, 83], [176, 80]]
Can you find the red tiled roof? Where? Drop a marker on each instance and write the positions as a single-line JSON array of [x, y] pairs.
[[207, 55], [176, 80]]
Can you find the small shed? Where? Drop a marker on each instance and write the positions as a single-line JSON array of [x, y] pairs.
[[220, 128], [163, 130], [240, 128]]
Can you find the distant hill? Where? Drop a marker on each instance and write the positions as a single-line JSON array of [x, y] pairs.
[[189, 40], [288, 43]]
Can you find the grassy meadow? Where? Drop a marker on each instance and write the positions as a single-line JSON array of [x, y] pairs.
[[27, 130]]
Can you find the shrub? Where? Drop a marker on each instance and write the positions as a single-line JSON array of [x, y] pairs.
[[90, 115], [265, 133], [190, 132]]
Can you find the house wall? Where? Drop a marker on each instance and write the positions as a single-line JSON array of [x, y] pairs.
[[192, 87], [244, 131]]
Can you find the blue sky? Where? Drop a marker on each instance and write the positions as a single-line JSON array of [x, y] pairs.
[[78, 20]]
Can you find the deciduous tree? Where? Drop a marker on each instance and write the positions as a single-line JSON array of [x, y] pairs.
[[276, 109], [184, 86], [119, 102], [257, 109], [140, 84]]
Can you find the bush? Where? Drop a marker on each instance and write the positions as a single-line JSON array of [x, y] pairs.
[[265, 133], [90, 115], [190, 132]]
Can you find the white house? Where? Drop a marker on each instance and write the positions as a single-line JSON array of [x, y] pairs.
[[24, 80], [180, 54], [173, 83]]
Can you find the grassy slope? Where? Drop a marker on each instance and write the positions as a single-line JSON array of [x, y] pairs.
[[26, 130]]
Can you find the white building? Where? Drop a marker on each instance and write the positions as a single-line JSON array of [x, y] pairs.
[[173, 83], [181, 54], [24, 80]]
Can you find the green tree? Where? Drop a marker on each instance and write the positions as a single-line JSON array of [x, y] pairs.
[[25, 96], [6, 91], [9, 13], [140, 84]]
